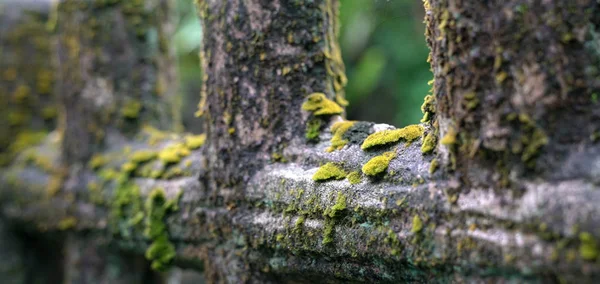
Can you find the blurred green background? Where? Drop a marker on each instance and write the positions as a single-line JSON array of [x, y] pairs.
[[384, 50]]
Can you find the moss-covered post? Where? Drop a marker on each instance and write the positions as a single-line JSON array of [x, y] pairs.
[[115, 72], [115, 77], [27, 104], [517, 86], [262, 59]]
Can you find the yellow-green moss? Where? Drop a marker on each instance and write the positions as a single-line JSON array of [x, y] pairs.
[[338, 207], [161, 252], [588, 248], [417, 224], [67, 223], [195, 141], [429, 143], [449, 138], [173, 153], [313, 128], [319, 104], [433, 166], [354, 177], [533, 144], [428, 108], [328, 232], [128, 167], [338, 130], [378, 164], [131, 109], [408, 133], [142, 156], [329, 171]]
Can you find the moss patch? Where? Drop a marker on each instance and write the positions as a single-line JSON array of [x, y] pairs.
[[161, 252], [378, 164], [173, 153], [313, 128], [329, 171], [588, 248], [142, 156], [354, 177], [319, 104], [338, 130], [195, 141], [428, 108], [408, 133], [338, 207], [429, 143], [449, 138], [417, 224], [433, 166]]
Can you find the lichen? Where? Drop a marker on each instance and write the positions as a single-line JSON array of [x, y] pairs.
[[417, 224], [408, 133], [329, 171], [338, 130], [588, 248], [354, 177], [319, 104], [429, 143], [195, 141], [378, 164]]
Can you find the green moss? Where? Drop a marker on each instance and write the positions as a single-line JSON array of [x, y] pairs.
[[450, 137], [429, 143], [588, 248], [417, 224], [131, 109], [338, 130], [378, 164], [67, 223], [433, 166], [537, 140], [408, 133], [195, 141], [173, 153], [354, 177], [338, 207], [329, 171], [128, 167], [161, 252], [428, 108], [328, 231], [313, 128], [142, 156], [319, 104]]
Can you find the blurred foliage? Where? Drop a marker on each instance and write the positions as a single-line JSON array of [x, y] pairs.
[[384, 51]]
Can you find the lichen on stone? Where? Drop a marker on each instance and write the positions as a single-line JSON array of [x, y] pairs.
[[338, 130], [319, 104], [378, 164], [329, 171], [408, 133]]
